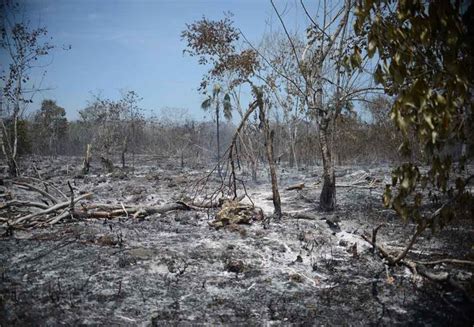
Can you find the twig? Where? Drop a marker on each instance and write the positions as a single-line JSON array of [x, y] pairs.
[[381, 249], [71, 206], [124, 210], [357, 186], [48, 184], [374, 236]]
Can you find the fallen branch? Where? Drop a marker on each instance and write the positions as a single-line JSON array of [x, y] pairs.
[[440, 261], [417, 267], [384, 253], [60, 210], [18, 203], [374, 236], [419, 230], [357, 186], [104, 211], [34, 188], [71, 205], [51, 209], [231, 149], [46, 184]]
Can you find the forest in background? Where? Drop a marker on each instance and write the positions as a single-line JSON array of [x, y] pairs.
[[116, 128]]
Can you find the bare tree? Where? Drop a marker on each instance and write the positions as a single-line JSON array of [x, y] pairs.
[[132, 122], [276, 49], [23, 47], [329, 82]]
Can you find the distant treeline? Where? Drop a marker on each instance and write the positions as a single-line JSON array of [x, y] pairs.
[[114, 132]]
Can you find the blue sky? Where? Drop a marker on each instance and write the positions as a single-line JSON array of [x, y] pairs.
[[136, 45]]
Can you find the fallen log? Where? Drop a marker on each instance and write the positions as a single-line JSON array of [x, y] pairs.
[[298, 187], [117, 209], [110, 211], [305, 215]]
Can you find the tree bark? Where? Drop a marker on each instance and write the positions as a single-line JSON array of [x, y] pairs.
[[86, 164], [107, 164], [254, 168], [327, 199], [10, 150], [124, 151], [218, 142], [12, 163], [13, 170], [271, 163], [7, 150], [293, 158]]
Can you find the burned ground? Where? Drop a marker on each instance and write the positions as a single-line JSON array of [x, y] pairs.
[[309, 268]]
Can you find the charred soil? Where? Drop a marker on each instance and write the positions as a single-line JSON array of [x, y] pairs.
[[175, 268]]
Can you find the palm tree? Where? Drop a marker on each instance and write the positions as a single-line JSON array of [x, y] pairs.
[[215, 100]]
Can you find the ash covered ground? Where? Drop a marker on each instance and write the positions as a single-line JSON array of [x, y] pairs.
[[310, 268]]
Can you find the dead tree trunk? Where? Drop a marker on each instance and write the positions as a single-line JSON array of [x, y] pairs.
[[86, 164], [124, 151]]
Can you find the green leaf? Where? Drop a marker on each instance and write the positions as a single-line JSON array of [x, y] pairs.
[[378, 75], [356, 58], [206, 104]]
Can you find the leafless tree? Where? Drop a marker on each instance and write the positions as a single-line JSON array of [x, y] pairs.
[[329, 82], [22, 46]]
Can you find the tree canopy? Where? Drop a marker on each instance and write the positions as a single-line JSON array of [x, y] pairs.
[[425, 52]]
